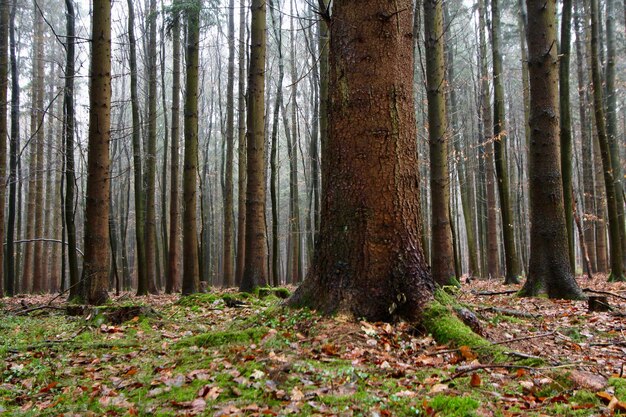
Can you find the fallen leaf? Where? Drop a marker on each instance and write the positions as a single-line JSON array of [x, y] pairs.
[[467, 353], [475, 380]]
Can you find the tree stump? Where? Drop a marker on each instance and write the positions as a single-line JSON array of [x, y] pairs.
[[111, 314], [598, 303]]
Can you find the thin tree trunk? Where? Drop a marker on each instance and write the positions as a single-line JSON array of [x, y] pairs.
[[566, 126], [255, 268], [443, 263], [140, 253], [96, 259], [587, 146], [499, 144], [492, 225], [605, 152], [4, 85], [229, 221], [11, 283], [191, 274], [150, 158], [172, 283], [611, 122], [242, 148]]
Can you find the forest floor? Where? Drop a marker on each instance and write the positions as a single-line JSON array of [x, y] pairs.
[[227, 354]]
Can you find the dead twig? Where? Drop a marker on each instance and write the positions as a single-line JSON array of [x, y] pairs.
[[517, 339], [612, 294], [495, 292]]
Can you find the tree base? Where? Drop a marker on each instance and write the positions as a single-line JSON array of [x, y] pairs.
[[616, 277], [111, 314]]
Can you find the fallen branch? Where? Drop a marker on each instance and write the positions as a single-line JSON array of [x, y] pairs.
[[509, 312], [462, 370], [517, 339], [612, 294], [44, 307], [495, 292]]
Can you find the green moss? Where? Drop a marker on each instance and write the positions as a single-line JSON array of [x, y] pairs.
[[197, 299], [224, 338], [620, 387], [584, 397], [454, 406]]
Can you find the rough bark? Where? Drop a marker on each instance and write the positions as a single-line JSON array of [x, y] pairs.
[[255, 266], [96, 260], [492, 225], [611, 122], [587, 145], [241, 149], [172, 284], [140, 254], [499, 144], [11, 283], [549, 267], [368, 260], [442, 262], [191, 273], [274, 176], [229, 220], [566, 126], [605, 152], [150, 158], [295, 251], [4, 85]]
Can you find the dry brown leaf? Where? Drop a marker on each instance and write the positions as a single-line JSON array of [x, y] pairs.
[[475, 380]]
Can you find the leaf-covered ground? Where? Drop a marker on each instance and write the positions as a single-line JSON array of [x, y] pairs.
[[226, 354]]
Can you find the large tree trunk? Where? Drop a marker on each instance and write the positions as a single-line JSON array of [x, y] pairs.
[[255, 267], [191, 273], [499, 144], [150, 157], [229, 220], [587, 145], [96, 259], [140, 254], [566, 127], [443, 254], [605, 151], [172, 282], [368, 260], [4, 84], [492, 223], [241, 149], [549, 267], [11, 282]]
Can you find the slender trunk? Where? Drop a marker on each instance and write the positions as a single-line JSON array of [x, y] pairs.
[[492, 224], [605, 152], [150, 158], [11, 282], [140, 254], [4, 85], [611, 122], [566, 126], [587, 146], [295, 268], [499, 145], [274, 175], [96, 259], [242, 149], [255, 267], [229, 220], [191, 275], [443, 262], [172, 284], [162, 260]]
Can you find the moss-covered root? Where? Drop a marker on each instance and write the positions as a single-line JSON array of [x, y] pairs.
[[440, 320]]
